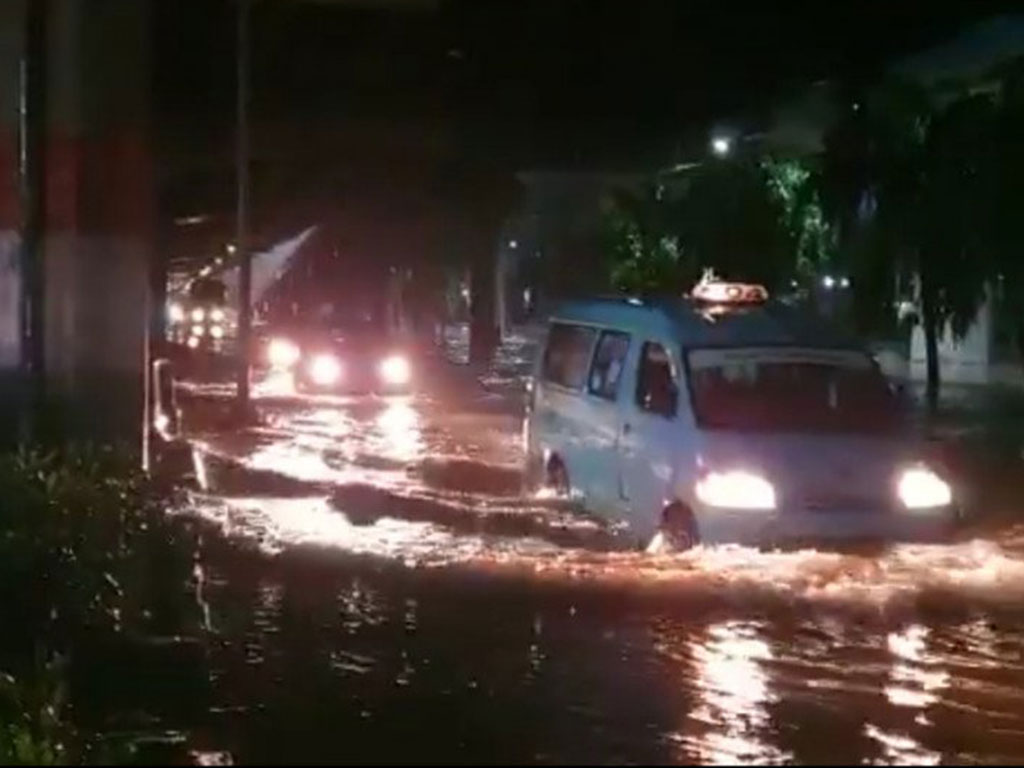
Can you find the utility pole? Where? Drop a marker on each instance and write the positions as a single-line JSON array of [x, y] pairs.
[[241, 234], [32, 177]]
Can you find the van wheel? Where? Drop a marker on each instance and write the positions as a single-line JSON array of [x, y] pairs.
[[558, 478], [677, 532]]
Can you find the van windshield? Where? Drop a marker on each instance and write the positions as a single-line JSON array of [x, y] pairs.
[[798, 390]]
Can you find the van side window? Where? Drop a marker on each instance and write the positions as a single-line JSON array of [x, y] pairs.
[[656, 389], [567, 356], [609, 360]]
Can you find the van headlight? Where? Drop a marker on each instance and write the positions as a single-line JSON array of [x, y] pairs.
[[282, 353], [736, 490], [325, 370], [920, 488], [217, 315], [395, 370], [198, 315]]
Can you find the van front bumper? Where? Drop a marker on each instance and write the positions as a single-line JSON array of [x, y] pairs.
[[760, 528]]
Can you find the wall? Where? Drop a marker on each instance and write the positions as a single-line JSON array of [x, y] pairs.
[[98, 198]]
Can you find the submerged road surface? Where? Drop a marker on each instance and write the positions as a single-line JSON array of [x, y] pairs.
[[397, 599]]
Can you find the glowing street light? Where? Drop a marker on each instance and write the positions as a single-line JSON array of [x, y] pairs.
[[721, 146]]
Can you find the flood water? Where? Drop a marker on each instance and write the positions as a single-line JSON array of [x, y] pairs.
[[380, 591]]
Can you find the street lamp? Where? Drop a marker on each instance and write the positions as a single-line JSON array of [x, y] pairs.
[[721, 146]]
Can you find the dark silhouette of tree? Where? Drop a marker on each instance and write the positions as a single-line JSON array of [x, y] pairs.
[[1007, 160], [748, 219], [909, 186]]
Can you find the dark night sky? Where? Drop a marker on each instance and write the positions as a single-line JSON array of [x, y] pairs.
[[538, 82]]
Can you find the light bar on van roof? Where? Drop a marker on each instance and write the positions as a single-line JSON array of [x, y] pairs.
[[721, 292]]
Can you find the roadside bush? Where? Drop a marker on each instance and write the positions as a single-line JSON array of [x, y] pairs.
[[89, 560]]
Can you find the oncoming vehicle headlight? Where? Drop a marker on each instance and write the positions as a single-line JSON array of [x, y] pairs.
[[217, 331], [920, 488], [395, 370], [324, 370], [282, 353], [198, 315], [217, 315], [735, 490], [176, 313]]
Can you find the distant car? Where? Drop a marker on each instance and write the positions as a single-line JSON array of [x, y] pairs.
[[726, 417], [341, 354]]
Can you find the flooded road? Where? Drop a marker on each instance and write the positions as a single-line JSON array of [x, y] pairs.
[[383, 592]]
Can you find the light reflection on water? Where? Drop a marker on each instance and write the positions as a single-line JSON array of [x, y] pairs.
[[727, 724], [975, 572], [892, 686], [712, 689], [401, 438], [385, 447], [915, 683]]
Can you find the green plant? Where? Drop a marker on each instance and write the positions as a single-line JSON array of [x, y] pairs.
[[79, 525], [33, 725], [89, 559]]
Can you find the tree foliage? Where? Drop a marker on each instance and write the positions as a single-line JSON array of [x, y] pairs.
[[795, 185], [909, 185], [643, 252], [1006, 244], [747, 219]]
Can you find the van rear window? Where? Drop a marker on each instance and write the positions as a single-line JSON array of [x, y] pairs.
[[567, 356]]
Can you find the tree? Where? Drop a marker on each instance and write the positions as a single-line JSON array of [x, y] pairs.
[[916, 187], [644, 256], [1008, 181], [756, 220], [846, 186], [479, 197], [794, 185], [730, 218]]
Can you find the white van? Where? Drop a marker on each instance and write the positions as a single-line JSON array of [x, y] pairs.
[[725, 418]]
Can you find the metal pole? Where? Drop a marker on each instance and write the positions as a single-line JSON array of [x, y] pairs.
[[241, 234], [32, 128]]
